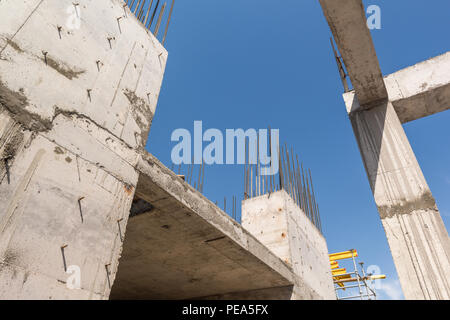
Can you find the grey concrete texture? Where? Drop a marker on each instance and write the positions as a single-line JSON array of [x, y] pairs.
[[377, 108], [55, 198], [417, 91], [416, 234], [348, 23], [75, 111], [186, 247], [109, 71], [76, 107], [276, 221]]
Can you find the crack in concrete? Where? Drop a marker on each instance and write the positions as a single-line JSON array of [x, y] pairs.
[[16, 102]]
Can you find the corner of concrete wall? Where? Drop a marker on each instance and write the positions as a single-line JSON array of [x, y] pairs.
[[76, 107], [278, 223]]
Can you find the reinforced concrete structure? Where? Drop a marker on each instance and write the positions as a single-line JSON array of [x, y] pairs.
[[377, 108], [80, 196], [277, 221], [76, 105], [81, 199]]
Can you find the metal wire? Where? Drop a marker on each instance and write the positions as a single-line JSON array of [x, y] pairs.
[[142, 8], [291, 177]]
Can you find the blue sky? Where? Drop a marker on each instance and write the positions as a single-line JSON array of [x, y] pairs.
[[259, 63]]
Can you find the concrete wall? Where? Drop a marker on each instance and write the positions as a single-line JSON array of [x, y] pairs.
[[73, 122], [281, 225]]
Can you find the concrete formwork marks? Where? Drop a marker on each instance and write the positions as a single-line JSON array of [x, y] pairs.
[[414, 228], [87, 70], [72, 139], [282, 226]]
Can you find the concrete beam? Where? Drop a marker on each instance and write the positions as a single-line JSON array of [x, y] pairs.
[[417, 91], [348, 24], [420, 90], [184, 246]]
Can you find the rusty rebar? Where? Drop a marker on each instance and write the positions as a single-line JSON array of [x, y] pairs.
[[137, 6], [340, 66], [203, 178], [153, 14], [168, 22], [141, 10], [147, 14], [158, 23]]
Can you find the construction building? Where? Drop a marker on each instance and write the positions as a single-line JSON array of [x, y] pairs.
[[77, 187]]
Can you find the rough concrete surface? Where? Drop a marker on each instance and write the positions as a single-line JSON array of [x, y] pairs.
[[348, 23], [416, 234], [76, 107], [283, 227], [186, 247], [417, 91], [420, 90], [75, 110], [377, 108]]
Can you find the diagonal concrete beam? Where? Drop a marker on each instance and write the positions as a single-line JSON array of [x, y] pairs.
[[417, 91], [348, 24]]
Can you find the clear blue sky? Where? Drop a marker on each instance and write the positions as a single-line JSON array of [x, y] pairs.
[[255, 63]]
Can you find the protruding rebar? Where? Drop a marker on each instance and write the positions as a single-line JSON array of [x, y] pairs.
[[203, 178], [153, 14], [147, 14], [137, 7], [280, 169], [292, 177], [168, 22], [340, 66], [158, 23], [141, 10], [257, 166]]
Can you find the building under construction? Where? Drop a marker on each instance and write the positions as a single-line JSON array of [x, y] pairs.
[[77, 187]]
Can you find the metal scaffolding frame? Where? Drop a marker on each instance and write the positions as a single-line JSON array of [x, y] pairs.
[[344, 280]]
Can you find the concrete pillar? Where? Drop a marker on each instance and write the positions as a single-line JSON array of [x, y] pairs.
[[75, 109], [415, 231], [277, 222]]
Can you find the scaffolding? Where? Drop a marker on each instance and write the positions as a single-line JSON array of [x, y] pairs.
[[347, 282]]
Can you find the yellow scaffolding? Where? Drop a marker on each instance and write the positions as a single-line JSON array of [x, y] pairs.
[[346, 280]]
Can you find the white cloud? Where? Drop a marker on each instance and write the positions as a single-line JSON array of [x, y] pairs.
[[391, 290]]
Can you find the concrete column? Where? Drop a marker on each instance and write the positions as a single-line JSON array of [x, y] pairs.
[[415, 231], [277, 222]]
